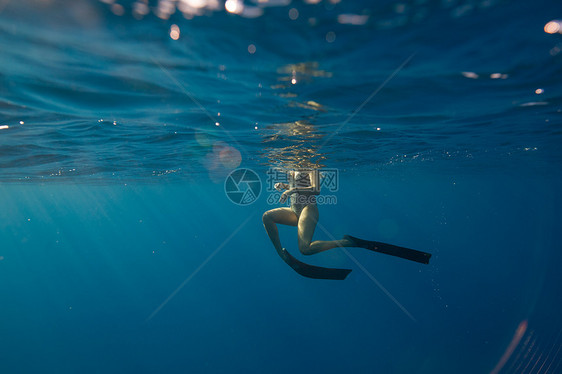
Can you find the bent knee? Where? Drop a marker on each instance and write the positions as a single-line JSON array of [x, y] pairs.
[[305, 249], [267, 217]]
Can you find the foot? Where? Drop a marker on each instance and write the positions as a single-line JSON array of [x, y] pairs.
[[349, 242], [360, 243]]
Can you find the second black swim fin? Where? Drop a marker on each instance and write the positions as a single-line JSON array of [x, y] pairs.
[[389, 249], [311, 271]]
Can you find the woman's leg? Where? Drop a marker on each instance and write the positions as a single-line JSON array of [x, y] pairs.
[[306, 225], [284, 216]]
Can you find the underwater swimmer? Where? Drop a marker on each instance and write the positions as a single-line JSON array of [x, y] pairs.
[[302, 190]]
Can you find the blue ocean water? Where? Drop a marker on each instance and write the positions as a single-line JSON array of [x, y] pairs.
[[121, 251]]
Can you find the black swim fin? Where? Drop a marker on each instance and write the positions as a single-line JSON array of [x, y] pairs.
[[389, 249], [311, 271]]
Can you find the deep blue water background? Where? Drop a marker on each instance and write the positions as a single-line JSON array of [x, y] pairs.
[[121, 253]]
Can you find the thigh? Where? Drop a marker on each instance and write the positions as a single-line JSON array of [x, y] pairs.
[[307, 223], [284, 216]]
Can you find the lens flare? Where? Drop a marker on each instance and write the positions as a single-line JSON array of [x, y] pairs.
[[519, 332], [293, 13], [553, 27], [230, 157], [234, 6], [175, 32]]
